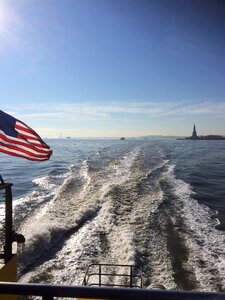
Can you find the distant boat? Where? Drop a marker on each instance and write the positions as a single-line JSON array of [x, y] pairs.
[[122, 138]]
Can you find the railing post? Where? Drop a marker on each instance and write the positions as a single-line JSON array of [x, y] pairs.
[[8, 224], [131, 275], [100, 274], [8, 220], [9, 235]]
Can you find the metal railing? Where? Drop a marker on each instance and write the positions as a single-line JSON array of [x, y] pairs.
[[51, 292], [6, 226], [2, 222], [7, 233], [97, 275]]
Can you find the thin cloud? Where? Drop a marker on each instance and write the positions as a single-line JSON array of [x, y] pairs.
[[111, 111], [201, 109]]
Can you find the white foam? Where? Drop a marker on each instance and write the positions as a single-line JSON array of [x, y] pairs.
[[204, 241], [78, 251], [79, 201]]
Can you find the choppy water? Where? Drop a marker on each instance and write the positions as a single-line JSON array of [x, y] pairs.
[[157, 203]]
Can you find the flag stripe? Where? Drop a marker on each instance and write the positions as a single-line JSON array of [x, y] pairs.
[[20, 154], [31, 140], [21, 127], [18, 139], [28, 132], [22, 149], [19, 142]]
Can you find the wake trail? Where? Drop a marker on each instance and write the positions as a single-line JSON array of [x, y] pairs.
[[81, 201]]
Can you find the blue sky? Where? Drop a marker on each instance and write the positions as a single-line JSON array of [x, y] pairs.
[[101, 68]]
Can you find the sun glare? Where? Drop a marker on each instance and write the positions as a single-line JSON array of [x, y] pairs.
[[8, 26], [3, 15], [4, 23]]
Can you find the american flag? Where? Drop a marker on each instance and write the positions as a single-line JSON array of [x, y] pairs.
[[18, 139]]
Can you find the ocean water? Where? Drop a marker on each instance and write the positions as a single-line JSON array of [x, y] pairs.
[[157, 203]]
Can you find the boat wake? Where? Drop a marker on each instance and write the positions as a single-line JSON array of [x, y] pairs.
[[130, 210]]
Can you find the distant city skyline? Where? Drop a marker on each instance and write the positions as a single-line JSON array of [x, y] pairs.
[[111, 68]]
